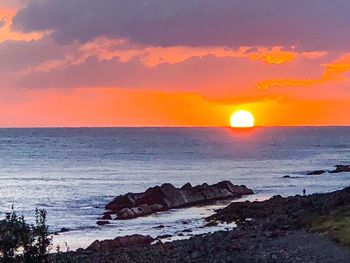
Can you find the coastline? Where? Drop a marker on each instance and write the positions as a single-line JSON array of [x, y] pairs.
[[36, 171], [275, 230], [172, 225], [175, 224], [172, 220]]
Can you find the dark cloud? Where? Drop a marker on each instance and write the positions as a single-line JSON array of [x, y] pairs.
[[18, 55], [310, 25]]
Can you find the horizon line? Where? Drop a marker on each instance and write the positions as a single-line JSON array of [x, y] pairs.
[[156, 126]]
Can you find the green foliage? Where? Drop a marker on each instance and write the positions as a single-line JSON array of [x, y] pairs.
[[42, 235], [336, 224], [22, 242], [62, 257]]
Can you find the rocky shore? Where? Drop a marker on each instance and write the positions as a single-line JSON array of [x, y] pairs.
[[230, 246], [338, 169], [294, 211], [167, 196], [313, 228]]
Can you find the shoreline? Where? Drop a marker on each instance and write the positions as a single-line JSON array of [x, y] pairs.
[[167, 223], [172, 220], [279, 229]]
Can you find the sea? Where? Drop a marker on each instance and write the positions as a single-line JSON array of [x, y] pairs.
[[73, 173]]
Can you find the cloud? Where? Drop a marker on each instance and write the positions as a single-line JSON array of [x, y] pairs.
[[333, 72], [44, 63], [208, 75], [173, 62], [106, 49], [13, 3], [20, 55], [3, 21], [308, 25]]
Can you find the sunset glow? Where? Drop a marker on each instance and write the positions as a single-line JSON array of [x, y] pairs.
[[129, 73], [242, 119], [172, 104]]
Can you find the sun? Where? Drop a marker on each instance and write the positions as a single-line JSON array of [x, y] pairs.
[[242, 119]]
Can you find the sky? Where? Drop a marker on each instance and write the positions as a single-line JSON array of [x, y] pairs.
[[74, 63]]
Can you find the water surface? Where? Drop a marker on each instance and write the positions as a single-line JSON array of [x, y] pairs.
[[73, 173]]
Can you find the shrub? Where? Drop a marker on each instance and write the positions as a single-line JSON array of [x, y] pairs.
[[22, 242], [42, 235]]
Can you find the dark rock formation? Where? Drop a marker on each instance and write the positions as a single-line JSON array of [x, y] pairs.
[[64, 229], [275, 230], [108, 246], [236, 246], [212, 223], [164, 236], [106, 216], [282, 212], [159, 227], [291, 177], [102, 222], [341, 169], [167, 196], [318, 172], [338, 169]]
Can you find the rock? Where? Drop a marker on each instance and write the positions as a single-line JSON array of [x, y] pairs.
[[281, 213], [341, 169], [159, 227], [146, 209], [212, 223], [125, 213], [80, 250], [133, 212], [156, 207], [338, 169], [102, 222], [186, 186], [187, 231], [272, 231], [167, 196], [163, 236], [107, 246], [318, 172], [64, 229], [336, 199], [106, 216], [121, 201], [95, 246]]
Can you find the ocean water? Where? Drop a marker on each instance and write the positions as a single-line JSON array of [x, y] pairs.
[[73, 173]]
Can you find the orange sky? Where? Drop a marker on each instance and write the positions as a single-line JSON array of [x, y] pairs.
[[115, 81]]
